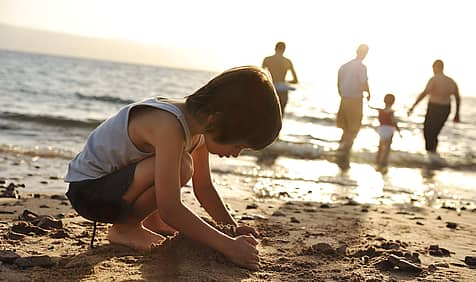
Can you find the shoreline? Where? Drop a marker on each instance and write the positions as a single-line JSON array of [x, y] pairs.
[[299, 240], [276, 176]]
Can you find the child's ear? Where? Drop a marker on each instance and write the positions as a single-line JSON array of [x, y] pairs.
[[212, 121]]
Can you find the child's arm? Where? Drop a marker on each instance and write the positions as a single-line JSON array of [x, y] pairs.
[[168, 141], [398, 129], [396, 125], [373, 108], [204, 190], [207, 195]]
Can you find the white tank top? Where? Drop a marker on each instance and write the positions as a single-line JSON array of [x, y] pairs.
[[109, 147]]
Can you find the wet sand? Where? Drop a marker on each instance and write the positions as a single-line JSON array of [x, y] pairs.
[[299, 241]]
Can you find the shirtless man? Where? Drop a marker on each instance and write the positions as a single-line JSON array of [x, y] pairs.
[[278, 66], [439, 88]]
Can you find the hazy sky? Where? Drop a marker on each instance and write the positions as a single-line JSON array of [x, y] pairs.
[[405, 36]]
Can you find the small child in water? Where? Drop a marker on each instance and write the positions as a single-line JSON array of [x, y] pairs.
[[386, 129]]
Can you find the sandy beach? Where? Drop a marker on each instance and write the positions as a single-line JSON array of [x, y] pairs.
[[43, 239]]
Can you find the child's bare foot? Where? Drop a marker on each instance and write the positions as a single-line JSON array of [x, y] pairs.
[[134, 236], [155, 223]]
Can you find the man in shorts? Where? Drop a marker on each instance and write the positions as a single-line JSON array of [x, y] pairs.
[[278, 66], [440, 88], [352, 81]]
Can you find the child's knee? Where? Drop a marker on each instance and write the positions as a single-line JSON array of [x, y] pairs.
[[186, 171]]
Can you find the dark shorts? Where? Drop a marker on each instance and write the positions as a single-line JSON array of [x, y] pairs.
[[101, 199], [435, 118]]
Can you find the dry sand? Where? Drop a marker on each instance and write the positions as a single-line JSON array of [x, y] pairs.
[[299, 241]]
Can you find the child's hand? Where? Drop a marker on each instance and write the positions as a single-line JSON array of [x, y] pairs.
[[243, 252], [246, 230]]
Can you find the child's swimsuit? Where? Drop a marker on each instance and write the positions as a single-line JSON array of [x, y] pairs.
[[387, 127]]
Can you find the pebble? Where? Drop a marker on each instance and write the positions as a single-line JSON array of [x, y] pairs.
[[403, 264], [278, 213], [12, 257], [31, 261], [451, 225], [14, 236], [294, 220], [436, 251], [8, 256], [470, 260]]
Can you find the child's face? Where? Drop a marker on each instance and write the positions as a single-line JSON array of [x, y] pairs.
[[223, 150]]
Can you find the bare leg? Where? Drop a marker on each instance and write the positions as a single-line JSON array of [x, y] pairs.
[[345, 146], [386, 153], [379, 154], [134, 236], [382, 155], [141, 196], [133, 233], [138, 231], [346, 141], [155, 223]]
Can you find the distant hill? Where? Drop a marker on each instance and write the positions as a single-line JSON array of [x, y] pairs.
[[40, 41]]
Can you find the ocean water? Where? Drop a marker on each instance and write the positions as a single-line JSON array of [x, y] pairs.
[[49, 105]]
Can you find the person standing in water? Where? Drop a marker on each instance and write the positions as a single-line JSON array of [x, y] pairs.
[[278, 66], [385, 131], [352, 81], [439, 88]]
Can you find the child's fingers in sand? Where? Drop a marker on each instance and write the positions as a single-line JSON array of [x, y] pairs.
[[246, 230], [252, 240], [243, 252]]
